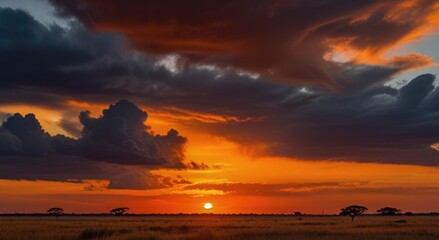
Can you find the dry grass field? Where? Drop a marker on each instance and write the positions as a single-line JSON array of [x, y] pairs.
[[206, 227]]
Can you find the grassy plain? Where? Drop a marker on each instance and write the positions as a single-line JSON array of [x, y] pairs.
[[205, 227]]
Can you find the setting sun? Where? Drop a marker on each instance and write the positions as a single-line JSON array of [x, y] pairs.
[[239, 119], [208, 206]]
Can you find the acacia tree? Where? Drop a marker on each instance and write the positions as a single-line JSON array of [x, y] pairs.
[[388, 211], [119, 211], [55, 211], [353, 211]]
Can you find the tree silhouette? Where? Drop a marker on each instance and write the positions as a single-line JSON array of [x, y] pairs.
[[388, 211], [119, 211], [353, 211], [55, 211], [408, 214], [297, 214]]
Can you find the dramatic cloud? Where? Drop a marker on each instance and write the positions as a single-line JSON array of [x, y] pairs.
[[279, 39], [364, 120], [40, 64], [118, 137], [381, 124], [48, 66]]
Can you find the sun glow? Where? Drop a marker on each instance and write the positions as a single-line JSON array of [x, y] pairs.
[[208, 206]]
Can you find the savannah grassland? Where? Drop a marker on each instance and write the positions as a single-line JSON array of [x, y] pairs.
[[205, 227]]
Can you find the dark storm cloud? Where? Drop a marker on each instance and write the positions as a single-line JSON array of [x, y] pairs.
[[362, 121], [9, 143], [36, 68], [118, 137], [48, 66], [381, 124], [279, 38]]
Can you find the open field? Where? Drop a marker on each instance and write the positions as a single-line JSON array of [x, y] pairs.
[[219, 227]]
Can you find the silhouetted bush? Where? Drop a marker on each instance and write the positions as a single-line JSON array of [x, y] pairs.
[[388, 211]]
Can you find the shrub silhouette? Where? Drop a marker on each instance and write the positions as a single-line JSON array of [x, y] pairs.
[[388, 211], [353, 211], [119, 211]]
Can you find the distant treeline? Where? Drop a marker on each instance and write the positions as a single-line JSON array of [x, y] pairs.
[[205, 214]]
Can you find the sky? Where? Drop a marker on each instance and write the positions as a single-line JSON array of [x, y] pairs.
[[270, 106]]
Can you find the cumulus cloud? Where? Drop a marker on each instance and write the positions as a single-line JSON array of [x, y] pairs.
[[10, 144], [118, 136], [33, 140], [115, 146]]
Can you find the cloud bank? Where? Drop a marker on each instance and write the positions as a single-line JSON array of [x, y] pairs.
[[382, 124], [115, 146]]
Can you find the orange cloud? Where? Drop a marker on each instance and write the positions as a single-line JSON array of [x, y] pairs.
[[179, 114], [411, 19], [277, 39]]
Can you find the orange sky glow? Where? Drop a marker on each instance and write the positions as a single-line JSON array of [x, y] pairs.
[[269, 107], [331, 184]]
